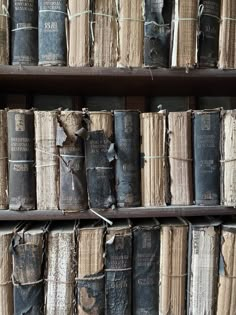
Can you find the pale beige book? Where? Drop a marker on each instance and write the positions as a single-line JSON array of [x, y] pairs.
[[47, 160], [184, 37], [60, 273], [131, 33], [105, 33], [154, 180], [79, 33], [3, 160], [227, 52], [180, 157], [228, 161], [101, 121], [173, 266], [4, 32]]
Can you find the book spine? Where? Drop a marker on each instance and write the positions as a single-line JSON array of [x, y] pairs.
[[209, 33], [21, 159], [3, 161], [157, 31], [127, 132], [52, 32], [146, 257], [24, 32], [206, 144], [4, 32], [118, 285], [73, 189]]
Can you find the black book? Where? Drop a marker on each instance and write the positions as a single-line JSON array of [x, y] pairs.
[[206, 145], [146, 261], [209, 33], [157, 33], [52, 32], [22, 195], [24, 32], [127, 143]]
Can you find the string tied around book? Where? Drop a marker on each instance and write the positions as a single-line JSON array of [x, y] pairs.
[[201, 13], [90, 278], [153, 157], [229, 160], [24, 28], [3, 158], [27, 283], [180, 159], [76, 15], [228, 18], [105, 15], [157, 24], [122, 269], [125, 18], [5, 283], [174, 276], [5, 11], [21, 161], [101, 216], [54, 11]]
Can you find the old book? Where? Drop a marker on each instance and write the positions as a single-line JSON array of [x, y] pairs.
[[157, 31], [60, 270], [227, 53], [227, 273], [209, 33], [145, 265], [79, 32], [3, 161], [154, 161], [118, 268], [131, 29], [24, 32], [52, 33], [4, 32], [47, 160], [21, 159], [6, 289], [180, 157], [28, 247], [108, 103], [90, 276], [105, 33], [184, 37], [204, 244], [206, 147], [99, 154], [173, 266], [73, 188]]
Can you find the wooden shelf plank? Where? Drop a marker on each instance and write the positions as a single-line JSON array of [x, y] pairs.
[[140, 212], [114, 81]]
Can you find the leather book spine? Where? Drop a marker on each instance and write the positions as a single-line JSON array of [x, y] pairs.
[[3, 161]]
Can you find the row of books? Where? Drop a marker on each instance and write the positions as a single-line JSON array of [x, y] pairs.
[[125, 159], [141, 267], [110, 33]]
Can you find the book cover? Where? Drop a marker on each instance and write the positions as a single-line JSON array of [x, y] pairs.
[[154, 160], [127, 167], [73, 188], [24, 32], [118, 268], [21, 159], [52, 33], [206, 147], [3, 161], [180, 157], [4, 32], [90, 275], [47, 160], [145, 265]]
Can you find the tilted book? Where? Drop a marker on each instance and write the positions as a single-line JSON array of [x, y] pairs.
[[127, 168], [118, 268], [154, 159], [90, 275], [184, 34], [24, 32], [79, 32], [28, 247], [73, 189], [180, 157], [47, 160], [157, 33], [105, 33], [99, 154], [3, 161], [52, 33], [60, 269], [203, 256], [173, 266], [206, 147], [145, 265], [131, 29], [209, 33], [4, 32], [21, 159]]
